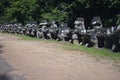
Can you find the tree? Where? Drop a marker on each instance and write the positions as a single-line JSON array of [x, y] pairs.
[[59, 10], [20, 11]]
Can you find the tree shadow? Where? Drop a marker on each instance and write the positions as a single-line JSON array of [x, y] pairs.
[[11, 77], [4, 77], [5, 67], [1, 51]]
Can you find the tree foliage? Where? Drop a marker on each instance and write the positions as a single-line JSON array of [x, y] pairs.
[[59, 10]]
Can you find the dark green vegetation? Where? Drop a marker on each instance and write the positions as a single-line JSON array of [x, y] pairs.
[[97, 52], [60, 10]]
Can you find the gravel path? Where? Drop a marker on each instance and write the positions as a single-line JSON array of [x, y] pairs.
[[48, 61]]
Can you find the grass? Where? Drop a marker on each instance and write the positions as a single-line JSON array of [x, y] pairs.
[[102, 53], [34, 38]]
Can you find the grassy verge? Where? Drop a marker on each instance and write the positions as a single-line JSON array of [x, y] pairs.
[[103, 53]]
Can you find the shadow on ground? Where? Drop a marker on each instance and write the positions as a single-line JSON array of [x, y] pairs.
[[1, 49], [11, 77], [5, 68]]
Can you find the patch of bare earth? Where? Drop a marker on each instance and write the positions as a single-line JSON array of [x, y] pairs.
[[37, 60]]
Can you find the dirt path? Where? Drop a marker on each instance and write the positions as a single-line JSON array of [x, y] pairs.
[[47, 61]]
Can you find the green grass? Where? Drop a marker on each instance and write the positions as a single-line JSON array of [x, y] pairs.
[[34, 38], [102, 53]]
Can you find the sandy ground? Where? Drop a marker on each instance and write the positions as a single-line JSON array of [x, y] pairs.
[[48, 61]]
